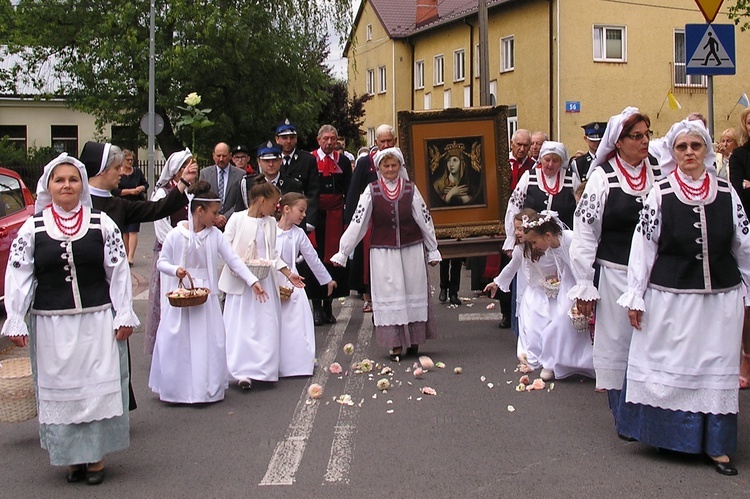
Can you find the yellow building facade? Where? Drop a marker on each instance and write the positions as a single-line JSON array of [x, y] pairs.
[[557, 64]]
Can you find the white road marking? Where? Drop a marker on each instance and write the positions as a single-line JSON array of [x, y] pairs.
[[342, 448], [288, 453], [491, 316]]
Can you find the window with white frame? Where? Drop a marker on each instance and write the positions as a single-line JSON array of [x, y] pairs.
[[681, 78], [610, 44], [16, 135], [419, 74], [381, 79], [512, 121], [459, 65], [467, 96], [439, 70], [476, 61], [493, 92], [368, 32], [507, 54], [370, 82], [427, 101], [370, 137], [446, 98]]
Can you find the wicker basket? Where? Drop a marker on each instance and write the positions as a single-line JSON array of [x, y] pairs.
[[196, 296], [259, 269], [17, 399], [551, 289], [580, 322], [285, 293]]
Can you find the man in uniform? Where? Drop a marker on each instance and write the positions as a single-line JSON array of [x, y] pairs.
[[302, 166], [592, 134], [241, 159], [269, 164]]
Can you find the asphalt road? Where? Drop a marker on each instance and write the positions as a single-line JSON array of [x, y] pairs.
[[463, 442]]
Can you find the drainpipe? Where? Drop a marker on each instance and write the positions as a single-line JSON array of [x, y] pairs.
[[551, 72], [413, 89], [471, 62]]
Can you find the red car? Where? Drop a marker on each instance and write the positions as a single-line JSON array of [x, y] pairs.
[[16, 205]]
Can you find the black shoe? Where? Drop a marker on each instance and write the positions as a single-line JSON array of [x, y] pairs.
[[455, 300], [329, 319], [631, 439], [95, 477], [318, 317], [505, 323], [723, 468], [412, 351], [76, 475], [443, 295]]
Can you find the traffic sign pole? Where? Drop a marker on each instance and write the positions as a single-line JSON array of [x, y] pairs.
[[711, 105]]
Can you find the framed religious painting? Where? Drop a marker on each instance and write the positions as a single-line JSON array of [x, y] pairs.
[[458, 158]]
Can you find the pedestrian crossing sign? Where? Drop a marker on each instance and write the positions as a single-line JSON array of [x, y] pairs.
[[710, 49]]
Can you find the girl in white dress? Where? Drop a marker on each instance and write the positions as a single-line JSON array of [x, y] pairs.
[[533, 304], [297, 352], [253, 325], [189, 362], [565, 351]]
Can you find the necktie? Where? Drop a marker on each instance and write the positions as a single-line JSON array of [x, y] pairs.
[[287, 159], [221, 185]]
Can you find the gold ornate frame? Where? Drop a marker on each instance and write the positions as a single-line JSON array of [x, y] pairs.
[[417, 128]]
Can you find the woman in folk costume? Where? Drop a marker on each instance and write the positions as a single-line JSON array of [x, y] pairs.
[[253, 325], [335, 175], [619, 180], [297, 345], [689, 259], [549, 186], [68, 267], [402, 242], [169, 179], [189, 364]]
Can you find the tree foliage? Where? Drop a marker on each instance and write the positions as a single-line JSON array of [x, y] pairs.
[[254, 62], [344, 113], [740, 13]]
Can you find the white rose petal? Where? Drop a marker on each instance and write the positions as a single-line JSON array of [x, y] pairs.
[[511, 408]]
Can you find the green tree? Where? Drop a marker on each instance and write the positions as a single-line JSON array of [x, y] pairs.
[[254, 63], [739, 13], [345, 113]]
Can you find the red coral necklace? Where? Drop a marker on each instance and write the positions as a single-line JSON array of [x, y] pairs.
[[693, 192], [389, 194], [553, 191], [636, 182], [68, 225]]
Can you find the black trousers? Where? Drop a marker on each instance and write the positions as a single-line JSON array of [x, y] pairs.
[[450, 274]]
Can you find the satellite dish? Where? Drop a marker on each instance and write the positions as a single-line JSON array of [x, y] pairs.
[[158, 124]]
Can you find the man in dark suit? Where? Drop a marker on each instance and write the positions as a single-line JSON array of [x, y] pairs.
[[225, 181], [302, 166], [269, 161], [592, 134]]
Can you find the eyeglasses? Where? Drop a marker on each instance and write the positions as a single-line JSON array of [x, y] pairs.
[[682, 146], [639, 136]]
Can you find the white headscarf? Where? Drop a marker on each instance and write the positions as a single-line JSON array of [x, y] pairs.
[[695, 126], [611, 135], [172, 166], [552, 147], [44, 198], [394, 151]]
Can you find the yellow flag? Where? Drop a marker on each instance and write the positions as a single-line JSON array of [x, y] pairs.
[[673, 104]]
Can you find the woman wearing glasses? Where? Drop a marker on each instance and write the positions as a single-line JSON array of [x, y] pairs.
[[619, 180], [689, 257]]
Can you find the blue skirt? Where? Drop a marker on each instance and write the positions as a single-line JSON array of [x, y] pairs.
[[681, 431]]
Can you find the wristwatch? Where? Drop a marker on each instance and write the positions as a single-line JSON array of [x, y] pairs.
[[187, 184]]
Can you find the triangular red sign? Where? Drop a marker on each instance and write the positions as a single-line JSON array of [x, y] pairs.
[[709, 8]]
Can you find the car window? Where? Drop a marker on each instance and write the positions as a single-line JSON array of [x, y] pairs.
[[10, 195]]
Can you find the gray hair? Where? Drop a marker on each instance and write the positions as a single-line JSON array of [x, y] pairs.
[[327, 129], [518, 132], [383, 129], [115, 156]]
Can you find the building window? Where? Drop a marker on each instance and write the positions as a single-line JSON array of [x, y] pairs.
[[419, 74], [467, 96], [381, 79], [681, 79], [370, 82], [439, 70], [427, 100], [512, 121], [65, 139], [477, 66], [446, 98], [370, 137], [507, 54], [610, 43], [16, 135], [369, 32], [493, 93], [459, 65]]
